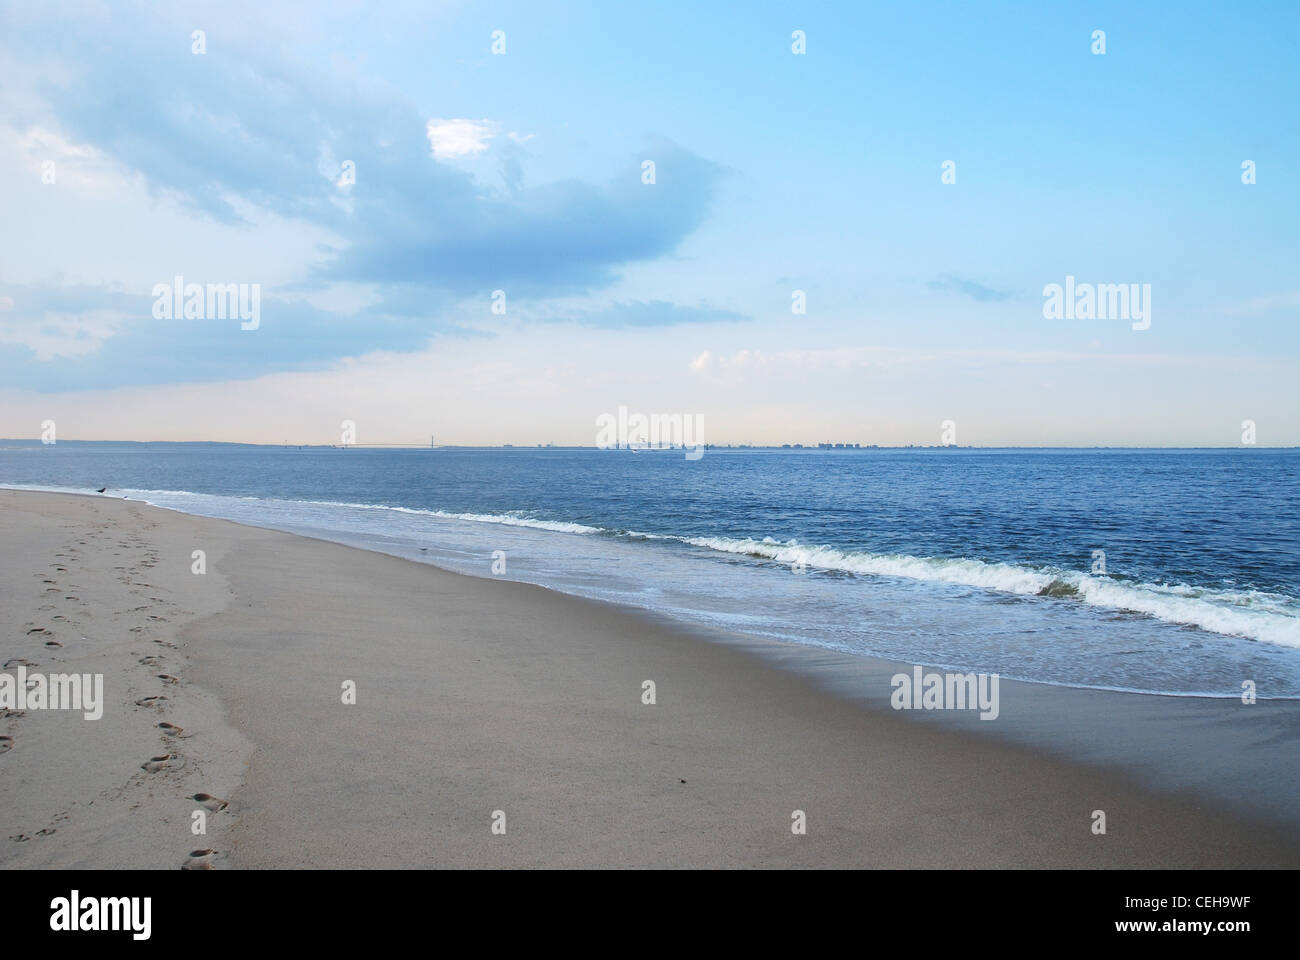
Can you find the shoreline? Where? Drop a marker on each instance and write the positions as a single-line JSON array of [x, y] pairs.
[[458, 543], [475, 695]]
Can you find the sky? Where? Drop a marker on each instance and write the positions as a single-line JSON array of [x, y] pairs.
[[447, 214]]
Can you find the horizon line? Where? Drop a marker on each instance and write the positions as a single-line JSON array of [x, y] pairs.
[[36, 441]]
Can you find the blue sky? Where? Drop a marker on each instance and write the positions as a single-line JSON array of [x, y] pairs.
[[775, 172]]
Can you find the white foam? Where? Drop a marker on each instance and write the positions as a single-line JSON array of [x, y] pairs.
[[1256, 616], [1268, 618]]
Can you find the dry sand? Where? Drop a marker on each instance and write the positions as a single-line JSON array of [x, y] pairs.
[[475, 696]]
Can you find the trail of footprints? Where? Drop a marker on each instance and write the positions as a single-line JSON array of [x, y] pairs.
[[50, 594], [170, 733]]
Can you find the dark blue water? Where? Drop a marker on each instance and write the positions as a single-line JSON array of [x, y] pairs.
[[979, 559]]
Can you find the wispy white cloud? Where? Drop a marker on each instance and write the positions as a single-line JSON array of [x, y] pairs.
[[965, 287], [459, 137], [745, 362], [57, 334], [1264, 304]]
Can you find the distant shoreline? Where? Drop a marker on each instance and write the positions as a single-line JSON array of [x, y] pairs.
[[27, 443]]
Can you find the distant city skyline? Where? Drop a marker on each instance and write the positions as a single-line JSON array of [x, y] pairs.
[[797, 445]]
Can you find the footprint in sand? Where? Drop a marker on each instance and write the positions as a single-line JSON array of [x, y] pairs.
[[18, 662], [172, 730], [199, 860], [53, 644], [166, 643], [38, 630], [150, 701], [6, 744], [215, 804], [154, 764], [167, 678], [46, 832], [150, 661]]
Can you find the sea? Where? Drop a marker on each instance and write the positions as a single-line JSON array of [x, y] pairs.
[[1174, 572]]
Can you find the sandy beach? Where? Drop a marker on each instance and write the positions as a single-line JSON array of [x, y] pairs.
[[482, 702]]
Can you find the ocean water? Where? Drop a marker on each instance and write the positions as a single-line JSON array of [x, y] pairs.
[[983, 560]]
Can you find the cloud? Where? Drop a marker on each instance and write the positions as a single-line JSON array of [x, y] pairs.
[[747, 363], [258, 129], [54, 160], [58, 338], [1265, 304], [417, 224], [750, 362], [60, 321], [458, 138], [968, 288], [652, 313]]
